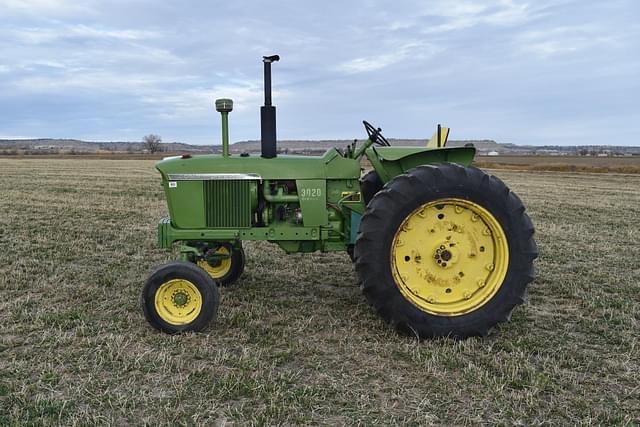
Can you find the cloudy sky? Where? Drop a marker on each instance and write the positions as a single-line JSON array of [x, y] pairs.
[[522, 71]]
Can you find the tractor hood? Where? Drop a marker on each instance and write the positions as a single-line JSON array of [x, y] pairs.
[[331, 165]]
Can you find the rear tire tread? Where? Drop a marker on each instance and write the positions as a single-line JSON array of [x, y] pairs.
[[432, 182]]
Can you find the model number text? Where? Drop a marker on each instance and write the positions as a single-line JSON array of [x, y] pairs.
[[311, 193]]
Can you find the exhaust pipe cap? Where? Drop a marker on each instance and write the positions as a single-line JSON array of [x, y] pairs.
[[224, 105]]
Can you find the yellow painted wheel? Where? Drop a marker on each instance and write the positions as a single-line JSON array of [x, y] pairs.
[[449, 257], [219, 269], [445, 251], [180, 297], [227, 269], [178, 302]]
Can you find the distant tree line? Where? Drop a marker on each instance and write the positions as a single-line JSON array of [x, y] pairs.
[[593, 152]]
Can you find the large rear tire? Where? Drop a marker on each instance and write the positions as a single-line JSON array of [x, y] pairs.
[[445, 250], [370, 184]]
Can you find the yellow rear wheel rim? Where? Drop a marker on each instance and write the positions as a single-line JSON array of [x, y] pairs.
[[178, 302], [449, 257], [222, 268]]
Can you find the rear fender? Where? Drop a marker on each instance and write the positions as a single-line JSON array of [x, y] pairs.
[[389, 162]]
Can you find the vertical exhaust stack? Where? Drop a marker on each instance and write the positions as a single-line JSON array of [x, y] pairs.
[[268, 113], [224, 106]]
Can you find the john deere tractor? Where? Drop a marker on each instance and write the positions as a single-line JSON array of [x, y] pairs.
[[441, 248]]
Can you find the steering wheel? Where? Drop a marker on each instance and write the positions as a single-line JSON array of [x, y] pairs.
[[375, 134]]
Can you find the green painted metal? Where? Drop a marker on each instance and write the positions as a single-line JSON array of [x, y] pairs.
[[168, 234], [392, 161], [228, 203], [279, 196], [188, 253], [180, 298], [186, 203], [225, 135], [331, 165], [302, 203], [164, 228], [312, 194], [224, 106]]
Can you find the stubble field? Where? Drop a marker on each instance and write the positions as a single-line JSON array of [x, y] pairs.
[[295, 342]]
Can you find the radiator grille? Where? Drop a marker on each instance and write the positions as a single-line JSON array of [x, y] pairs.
[[227, 203]]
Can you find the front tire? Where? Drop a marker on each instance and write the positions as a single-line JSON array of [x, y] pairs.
[[180, 297], [445, 250], [225, 271]]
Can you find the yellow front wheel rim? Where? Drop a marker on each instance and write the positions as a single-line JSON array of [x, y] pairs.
[[449, 257], [178, 302], [222, 268]]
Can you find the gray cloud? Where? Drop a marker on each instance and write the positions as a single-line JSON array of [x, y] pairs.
[[549, 72]]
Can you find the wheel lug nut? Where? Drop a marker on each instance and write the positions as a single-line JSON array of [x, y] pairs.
[[481, 283], [467, 295], [490, 267]]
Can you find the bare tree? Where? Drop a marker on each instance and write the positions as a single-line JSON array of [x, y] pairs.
[[152, 143]]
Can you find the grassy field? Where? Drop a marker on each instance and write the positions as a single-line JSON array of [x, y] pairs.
[[627, 165], [295, 342]]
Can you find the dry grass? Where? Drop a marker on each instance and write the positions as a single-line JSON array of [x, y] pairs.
[[295, 342], [627, 165]]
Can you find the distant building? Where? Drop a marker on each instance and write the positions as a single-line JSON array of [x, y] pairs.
[[493, 153]]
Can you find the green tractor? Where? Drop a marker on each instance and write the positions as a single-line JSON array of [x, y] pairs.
[[441, 248]]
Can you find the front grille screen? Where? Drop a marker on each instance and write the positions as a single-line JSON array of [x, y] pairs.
[[227, 203]]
